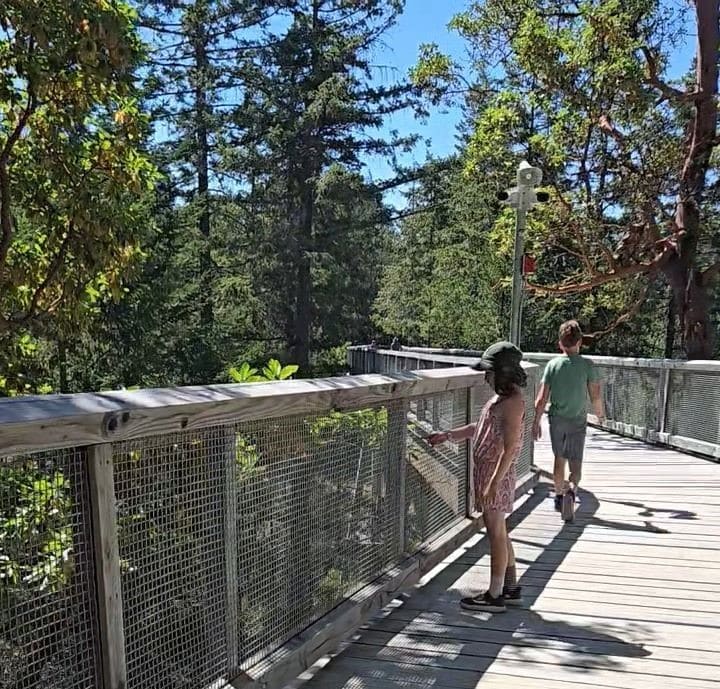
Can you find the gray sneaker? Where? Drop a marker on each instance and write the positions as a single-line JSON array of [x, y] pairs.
[[568, 506]]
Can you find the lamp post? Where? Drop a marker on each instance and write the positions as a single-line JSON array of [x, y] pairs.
[[522, 198]]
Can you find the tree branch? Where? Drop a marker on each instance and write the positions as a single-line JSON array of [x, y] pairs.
[[6, 221], [600, 279], [624, 318], [668, 92], [52, 272]]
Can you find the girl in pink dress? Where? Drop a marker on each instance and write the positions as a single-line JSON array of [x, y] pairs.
[[496, 444]]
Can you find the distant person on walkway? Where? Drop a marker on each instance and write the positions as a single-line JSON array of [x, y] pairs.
[[566, 383], [395, 345], [373, 345], [496, 444]]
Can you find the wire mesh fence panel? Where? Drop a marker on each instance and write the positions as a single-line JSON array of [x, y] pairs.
[[436, 478], [693, 409], [630, 395], [318, 516], [48, 614], [171, 530]]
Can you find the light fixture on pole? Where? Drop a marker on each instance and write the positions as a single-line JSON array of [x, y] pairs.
[[522, 198]]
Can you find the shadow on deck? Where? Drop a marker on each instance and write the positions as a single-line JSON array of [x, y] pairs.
[[626, 596]]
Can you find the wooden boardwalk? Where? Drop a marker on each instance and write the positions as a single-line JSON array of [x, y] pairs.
[[626, 597]]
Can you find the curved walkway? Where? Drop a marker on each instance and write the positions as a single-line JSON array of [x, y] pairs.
[[628, 596]]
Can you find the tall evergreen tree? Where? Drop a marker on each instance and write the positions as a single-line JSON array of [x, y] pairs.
[[200, 49], [312, 105]]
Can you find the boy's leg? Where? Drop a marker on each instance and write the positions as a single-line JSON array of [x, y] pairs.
[[575, 451], [559, 474], [557, 440], [559, 481], [575, 473]]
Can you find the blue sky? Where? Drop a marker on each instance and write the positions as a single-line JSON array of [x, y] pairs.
[[425, 21]]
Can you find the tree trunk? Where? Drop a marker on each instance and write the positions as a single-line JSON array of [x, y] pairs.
[[303, 303], [62, 367], [309, 172], [670, 329], [690, 289], [202, 114]]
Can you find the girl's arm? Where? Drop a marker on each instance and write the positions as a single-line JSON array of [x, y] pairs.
[[455, 435], [512, 432]]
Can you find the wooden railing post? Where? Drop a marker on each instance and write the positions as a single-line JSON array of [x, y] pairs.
[[107, 566], [398, 424], [470, 492], [231, 550], [663, 397]]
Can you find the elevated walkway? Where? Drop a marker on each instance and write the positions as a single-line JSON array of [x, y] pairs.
[[627, 596]]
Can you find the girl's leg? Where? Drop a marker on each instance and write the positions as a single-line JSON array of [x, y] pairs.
[[510, 571], [497, 533]]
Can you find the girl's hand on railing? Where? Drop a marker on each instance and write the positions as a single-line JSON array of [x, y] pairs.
[[437, 438]]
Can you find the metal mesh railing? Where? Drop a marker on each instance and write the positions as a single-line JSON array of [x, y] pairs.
[[185, 558], [674, 403], [47, 589], [386, 361], [318, 516], [436, 478], [631, 395], [693, 407], [171, 530]]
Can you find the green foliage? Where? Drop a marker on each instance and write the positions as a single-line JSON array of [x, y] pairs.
[[73, 175], [36, 543], [583, 93], [274, 370], [330, 362], [444, 285], [245, 374], [369, 424]]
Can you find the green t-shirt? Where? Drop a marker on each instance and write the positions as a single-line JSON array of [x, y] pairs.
[[568, 378]]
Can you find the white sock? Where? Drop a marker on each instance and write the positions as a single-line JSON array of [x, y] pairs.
[[496, 586]]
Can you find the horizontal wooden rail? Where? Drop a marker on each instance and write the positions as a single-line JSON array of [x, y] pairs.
[[465, 356], [48, 422]]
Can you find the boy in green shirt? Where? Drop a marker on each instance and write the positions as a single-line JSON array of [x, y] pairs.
[[566, 382]]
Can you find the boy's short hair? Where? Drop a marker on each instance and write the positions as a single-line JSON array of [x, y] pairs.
[[570, 334]]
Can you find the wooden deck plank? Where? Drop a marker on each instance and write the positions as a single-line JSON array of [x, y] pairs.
[[626, 597]]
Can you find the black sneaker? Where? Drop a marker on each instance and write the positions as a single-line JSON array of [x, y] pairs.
[[513, 596], [558, 503], [484, 603]]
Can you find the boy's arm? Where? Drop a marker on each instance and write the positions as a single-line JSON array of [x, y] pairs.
[[595, 392], [540, 404], [597, 400]]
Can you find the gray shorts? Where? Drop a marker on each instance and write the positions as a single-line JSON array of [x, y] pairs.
[[568, 438]]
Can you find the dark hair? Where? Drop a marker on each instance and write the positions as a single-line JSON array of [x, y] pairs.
[[507, 377], [570, 334]]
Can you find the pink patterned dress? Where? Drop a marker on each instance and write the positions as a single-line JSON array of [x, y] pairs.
[[487, 448]]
